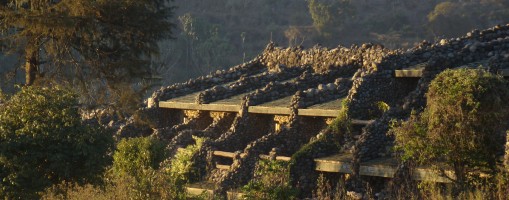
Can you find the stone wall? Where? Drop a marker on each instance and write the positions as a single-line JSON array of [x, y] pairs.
[[489, 46], [363, 74]]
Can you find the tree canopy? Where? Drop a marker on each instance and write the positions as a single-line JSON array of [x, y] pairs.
[[463, 125], [110, 40], [43, 141]]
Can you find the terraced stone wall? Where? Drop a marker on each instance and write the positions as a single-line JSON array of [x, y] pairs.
[[489, 48]]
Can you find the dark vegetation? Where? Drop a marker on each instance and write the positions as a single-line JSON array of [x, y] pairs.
[[462, 128], [217, 34], [238, 30], [43, 142]]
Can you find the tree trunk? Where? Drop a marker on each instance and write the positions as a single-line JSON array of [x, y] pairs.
[[31, 65]]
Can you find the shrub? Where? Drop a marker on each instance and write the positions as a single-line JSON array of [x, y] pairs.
[[135, 166], [342, 124], [181, 169], [134, 155], [43, 141], [271, 181], [462, 124]]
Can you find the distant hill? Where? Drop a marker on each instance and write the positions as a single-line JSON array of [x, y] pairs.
[[218, 33]]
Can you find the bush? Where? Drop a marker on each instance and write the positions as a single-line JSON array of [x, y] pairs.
[[134, 155], [271, 181], [43, 141], [136, 162], [462, 125], [182, 168]]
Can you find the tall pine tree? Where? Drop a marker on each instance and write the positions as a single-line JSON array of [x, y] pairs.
[[109, 40]]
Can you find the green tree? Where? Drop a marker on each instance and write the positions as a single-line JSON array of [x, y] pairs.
[[330, 15], [462, 125], [43, 141], [450, 19], [112, 40]]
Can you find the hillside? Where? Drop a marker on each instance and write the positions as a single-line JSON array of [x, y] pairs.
[[291, 94], [220, 33]]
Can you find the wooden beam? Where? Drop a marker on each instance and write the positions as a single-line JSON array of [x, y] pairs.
[[411, 72], [280, 158], [200, 188], [234, 195], [225, 154], [269, 110], [342, 163], [408, 73], [318, 112], [225, 167], [283, 158], [336, 163], [194, 106]]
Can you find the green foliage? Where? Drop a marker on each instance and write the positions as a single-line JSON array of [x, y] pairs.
[[271, 182], [329, 15], [181, 163], [43, 141], [447, 19], [158, 186], [98, 30], [137, 173], [377, 109], [97, 46], [206, 47], [181, 169], [134, 155], [329, 141], [342, 124], [462, 125], [136, 162]]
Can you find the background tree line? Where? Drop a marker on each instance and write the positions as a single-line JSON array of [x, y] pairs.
[[217, 34]]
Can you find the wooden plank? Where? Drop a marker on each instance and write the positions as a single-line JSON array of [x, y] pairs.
[[194, 106], [234, 100], [199, 192], [386, 168], [340, 167], [220, 107], [283, 158], [269, 110], [423, 174], [336, 163], [201, 188], [225, 167], [411, 72], [283, 102], [379, 171], [335, 104], [223, 154], [226, 154], [318, 113], [280, 158], [326, 109], [234, 195], [408, 73], [189, 98]]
